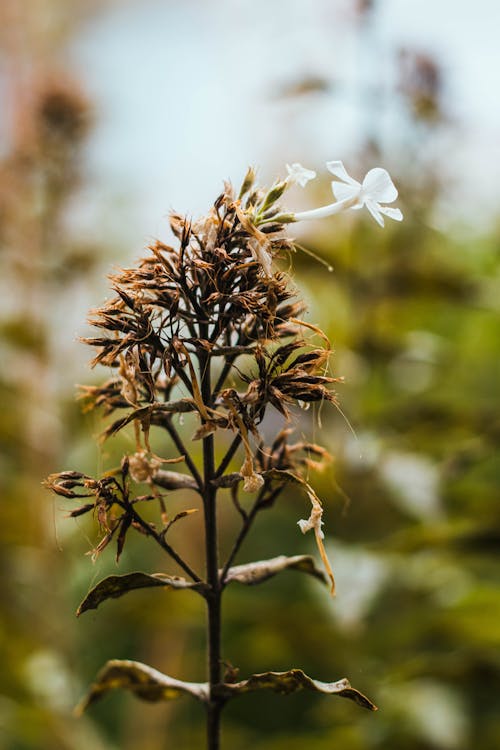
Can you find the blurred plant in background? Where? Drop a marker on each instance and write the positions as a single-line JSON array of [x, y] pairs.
[[413, 316], [46, 119]]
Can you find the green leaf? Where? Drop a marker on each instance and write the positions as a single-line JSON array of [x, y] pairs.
[[290, 682], [144, 681], [113, 587], [257, 572]]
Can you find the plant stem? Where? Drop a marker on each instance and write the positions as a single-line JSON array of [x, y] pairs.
[[260, 503], [213, 598], [163, 544], [240, 538], [227, 458], [179, 444]]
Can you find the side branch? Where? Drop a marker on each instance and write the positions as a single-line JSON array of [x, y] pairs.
[[227, 458], [261, 502], [179, 444], [161, 541]]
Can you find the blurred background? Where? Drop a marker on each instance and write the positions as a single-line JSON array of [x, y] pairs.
[[113, 113]]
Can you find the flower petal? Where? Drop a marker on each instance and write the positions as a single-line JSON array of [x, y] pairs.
[[378, 186], [392, 213], [339, 171], [299, 174], [343, 191], [374, 208]]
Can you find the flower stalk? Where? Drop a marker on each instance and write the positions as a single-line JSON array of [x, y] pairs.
[[175, 335]]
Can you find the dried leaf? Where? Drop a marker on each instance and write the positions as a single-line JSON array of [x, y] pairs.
[[257, 572], [283, 476], [172, 480], [228, 480], [293, 680], [113, 587], [151, 685], [144, 681]]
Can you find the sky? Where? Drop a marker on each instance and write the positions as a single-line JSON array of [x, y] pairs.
[[189, 94]]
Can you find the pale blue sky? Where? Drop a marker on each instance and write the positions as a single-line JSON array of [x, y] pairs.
[[185, 97]]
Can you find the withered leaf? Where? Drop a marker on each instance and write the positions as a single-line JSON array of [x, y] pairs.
[[113, 587], [151, 685], [228, 480], [293, 680], [144, 681], [173, 480], [257, 572], [283, 476]]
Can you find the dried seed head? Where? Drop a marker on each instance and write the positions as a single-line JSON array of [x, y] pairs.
[[216, 302]]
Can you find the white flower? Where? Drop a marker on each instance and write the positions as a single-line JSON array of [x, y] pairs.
[[376, 189], [299, 174]]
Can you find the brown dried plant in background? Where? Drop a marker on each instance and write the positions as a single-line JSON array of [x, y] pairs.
[[212, 328]]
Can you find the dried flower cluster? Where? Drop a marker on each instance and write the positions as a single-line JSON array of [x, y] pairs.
[[205, 304], [211, 327]]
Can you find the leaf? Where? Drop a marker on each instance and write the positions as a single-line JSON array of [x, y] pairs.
[[283, 476], [144, 681], [173, 480], [150, 685], [257, 572], [290, 682], [227, 480], [113, 587]]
